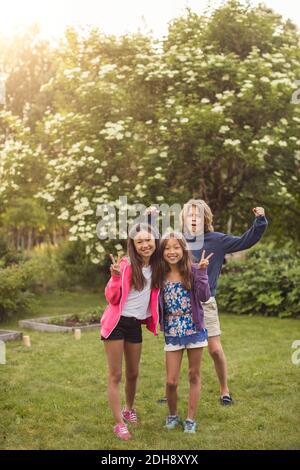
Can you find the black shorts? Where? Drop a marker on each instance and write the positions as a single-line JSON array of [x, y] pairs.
[[129, 329]]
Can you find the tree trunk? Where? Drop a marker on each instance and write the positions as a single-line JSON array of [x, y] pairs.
[[229, 224], [54, 237], [29, 239], [17, 243]]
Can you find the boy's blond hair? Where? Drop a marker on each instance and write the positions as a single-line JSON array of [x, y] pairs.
[[203, 208]]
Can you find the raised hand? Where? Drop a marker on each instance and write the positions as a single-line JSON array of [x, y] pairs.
[[115, 266], [204, 262], [258, 211]]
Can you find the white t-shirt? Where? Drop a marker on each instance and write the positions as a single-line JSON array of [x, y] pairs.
[[137, 304]]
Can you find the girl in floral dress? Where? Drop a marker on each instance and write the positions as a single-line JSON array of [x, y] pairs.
[[183, 287]]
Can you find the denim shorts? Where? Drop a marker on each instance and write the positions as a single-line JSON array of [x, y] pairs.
[[128, 329]]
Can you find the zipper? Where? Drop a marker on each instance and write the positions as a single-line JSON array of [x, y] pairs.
[[157, 310]]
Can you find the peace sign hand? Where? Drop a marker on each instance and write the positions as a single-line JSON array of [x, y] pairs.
[[115, 266], [204, 262]]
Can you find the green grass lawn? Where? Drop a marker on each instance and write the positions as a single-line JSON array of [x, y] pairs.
[[53, 395]]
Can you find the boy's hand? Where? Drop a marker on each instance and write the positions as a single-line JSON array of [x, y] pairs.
[[115, 266], [204, 262], [258, 211]]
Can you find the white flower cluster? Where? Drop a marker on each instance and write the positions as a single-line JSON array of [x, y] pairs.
[[105, 69], [114, 130], [231, 142]]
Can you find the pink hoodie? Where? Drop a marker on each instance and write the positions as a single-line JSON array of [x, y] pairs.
[[116, 292]]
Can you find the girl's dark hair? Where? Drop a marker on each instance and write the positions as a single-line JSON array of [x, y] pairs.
[[184, 265], [138, 281]]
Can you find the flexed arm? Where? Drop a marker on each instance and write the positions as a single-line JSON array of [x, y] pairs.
[[231, 244]]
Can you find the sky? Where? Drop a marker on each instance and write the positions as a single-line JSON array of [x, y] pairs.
[[111, 16]]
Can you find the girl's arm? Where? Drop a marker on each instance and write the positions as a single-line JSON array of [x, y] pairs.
[[201, 286], [114, 285], [113, 289]]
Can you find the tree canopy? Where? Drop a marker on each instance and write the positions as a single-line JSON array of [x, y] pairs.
[[205, 113]]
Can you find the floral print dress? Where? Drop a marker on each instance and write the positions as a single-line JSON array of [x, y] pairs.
[[179, 327]]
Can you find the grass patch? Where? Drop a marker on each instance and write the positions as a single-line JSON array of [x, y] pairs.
[[53, 396], [59, 303]]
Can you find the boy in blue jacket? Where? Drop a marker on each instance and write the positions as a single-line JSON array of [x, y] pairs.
[[197, 217]]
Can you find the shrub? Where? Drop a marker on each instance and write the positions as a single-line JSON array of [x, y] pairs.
[[15, 297], [7, 256], [76, 269], [267, 283], [42, 269]]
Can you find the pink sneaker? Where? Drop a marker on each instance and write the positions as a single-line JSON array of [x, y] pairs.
[[130, 416], [122, 432]]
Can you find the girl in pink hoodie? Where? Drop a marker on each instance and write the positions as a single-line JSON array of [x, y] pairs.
[[132, 295]]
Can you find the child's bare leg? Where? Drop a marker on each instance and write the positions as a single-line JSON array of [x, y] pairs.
[[132, 358], [114, 353], [194, 356], [216, 351], [173, 364]]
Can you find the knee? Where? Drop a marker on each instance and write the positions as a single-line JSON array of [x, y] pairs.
[[216, 353], [194, 377], [132, 376], [172, 384], [115, 378]]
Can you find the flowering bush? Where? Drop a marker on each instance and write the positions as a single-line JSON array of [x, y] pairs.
[[206, 113]]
